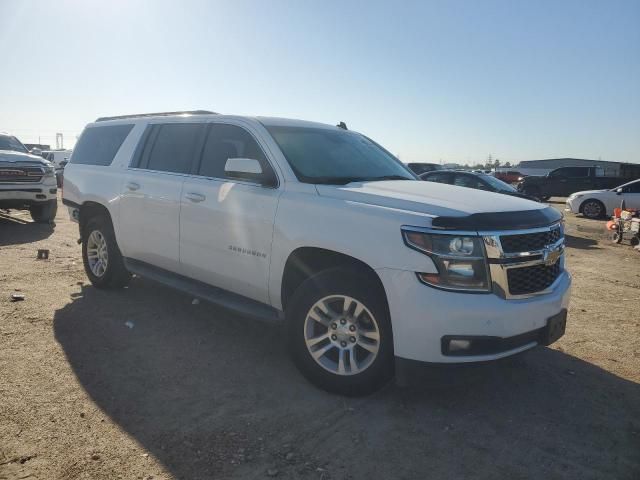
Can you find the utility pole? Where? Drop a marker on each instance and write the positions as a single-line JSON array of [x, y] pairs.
[[59, 141]]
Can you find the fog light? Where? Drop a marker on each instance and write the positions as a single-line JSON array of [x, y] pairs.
[[457, 345]]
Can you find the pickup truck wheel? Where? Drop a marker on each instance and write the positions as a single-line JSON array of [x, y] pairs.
[[593, 209], [44, 212], [340, 333], [101, 256]]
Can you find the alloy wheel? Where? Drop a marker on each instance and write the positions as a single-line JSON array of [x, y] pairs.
[[342, 335], [97, 253]]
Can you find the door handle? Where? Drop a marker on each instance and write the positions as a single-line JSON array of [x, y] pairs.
[[133, 186], [195, 197]]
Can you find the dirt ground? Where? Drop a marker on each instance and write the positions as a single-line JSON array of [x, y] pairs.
[[141, 384]]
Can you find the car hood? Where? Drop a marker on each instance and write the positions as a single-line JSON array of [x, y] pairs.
[[431, 198], [590, 192], [12, 158]]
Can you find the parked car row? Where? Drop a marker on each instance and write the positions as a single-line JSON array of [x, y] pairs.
[[479, 181]]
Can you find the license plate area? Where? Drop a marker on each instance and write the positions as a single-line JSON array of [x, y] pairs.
[[555, 328]]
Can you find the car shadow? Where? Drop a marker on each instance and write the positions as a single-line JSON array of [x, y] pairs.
[[581, 243], [15, 230], [211, 394]]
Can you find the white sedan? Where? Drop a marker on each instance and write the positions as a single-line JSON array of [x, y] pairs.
[[600, 203]]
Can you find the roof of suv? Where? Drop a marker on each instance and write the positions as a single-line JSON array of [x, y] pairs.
[[267, 121]]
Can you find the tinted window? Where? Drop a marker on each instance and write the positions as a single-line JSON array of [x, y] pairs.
[[173, 148], [466, 181], [571, 172], [631, 187], [228, 141], [99, 145], [438, 177]]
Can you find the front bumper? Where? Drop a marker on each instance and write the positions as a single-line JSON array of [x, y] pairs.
[[17, 195], [422, 316], [573, 205]]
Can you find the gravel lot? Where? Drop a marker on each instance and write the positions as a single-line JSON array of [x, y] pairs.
[[193, 392]]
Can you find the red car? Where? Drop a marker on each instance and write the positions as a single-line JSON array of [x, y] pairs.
[[510, 176]]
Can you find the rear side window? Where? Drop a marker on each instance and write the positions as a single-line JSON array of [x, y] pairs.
[[224, 142], [99, 145], [439, 177], [173, 147]]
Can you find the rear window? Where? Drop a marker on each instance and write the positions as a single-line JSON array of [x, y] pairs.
[[99, 145]]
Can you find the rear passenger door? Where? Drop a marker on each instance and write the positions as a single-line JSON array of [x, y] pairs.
[[151, 192], [226, 225]]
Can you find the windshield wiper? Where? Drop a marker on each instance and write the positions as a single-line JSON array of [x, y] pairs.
[[335, 180], [386, 177]]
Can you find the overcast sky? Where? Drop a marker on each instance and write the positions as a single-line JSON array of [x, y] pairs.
[[430, 80]]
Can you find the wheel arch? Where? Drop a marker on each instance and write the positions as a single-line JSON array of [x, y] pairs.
[[304, 262], [89, 210]]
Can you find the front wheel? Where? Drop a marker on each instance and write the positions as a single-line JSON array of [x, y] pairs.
[[101, 256], [593, 209], [340, 333]]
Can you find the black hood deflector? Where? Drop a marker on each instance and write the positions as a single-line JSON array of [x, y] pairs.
[[500, 220]]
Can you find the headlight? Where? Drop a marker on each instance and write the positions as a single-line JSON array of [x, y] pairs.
[[460, 260], [49, 171], [574, 196]]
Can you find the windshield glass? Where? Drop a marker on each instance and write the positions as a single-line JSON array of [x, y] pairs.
[[322, 155], [498, 184], [12, 143]]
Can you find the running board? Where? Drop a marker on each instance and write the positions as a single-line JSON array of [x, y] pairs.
[[231, 301]]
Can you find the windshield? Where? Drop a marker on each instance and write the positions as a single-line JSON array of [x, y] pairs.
[[498, 184], [322, 155], [12, 143]]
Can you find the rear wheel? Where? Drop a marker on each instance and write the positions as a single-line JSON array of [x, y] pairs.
[[593, 209], [339, 332], [44, 212], [101, 256]]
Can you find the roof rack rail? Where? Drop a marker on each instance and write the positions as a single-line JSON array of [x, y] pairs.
[[158, 114]]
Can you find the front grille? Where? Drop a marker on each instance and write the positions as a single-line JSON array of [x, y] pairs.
[[20, 174], [528, 242], [532, 279]]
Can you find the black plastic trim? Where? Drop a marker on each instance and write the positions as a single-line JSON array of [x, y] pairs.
[[215, 295], [500, 220], [69, 203]]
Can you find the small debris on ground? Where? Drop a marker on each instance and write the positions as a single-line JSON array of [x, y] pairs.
[[43, 254], [17, 297], [129, 324], [272, 472], [195, 301]]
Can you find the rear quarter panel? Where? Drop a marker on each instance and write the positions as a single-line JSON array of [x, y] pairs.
[[101, 184]]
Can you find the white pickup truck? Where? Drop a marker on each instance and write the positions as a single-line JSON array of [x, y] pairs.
[[322, 229], [27, 182]]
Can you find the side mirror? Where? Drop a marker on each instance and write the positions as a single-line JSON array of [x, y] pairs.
[[35, 151], [248, 169]]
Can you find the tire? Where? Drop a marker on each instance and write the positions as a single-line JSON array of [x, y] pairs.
[[532, 192], [634, 241], [111, 273], [363, 372], [44, 212], [593, 209]]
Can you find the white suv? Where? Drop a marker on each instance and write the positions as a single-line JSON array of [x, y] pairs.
[[323, 229], [27, 182]]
